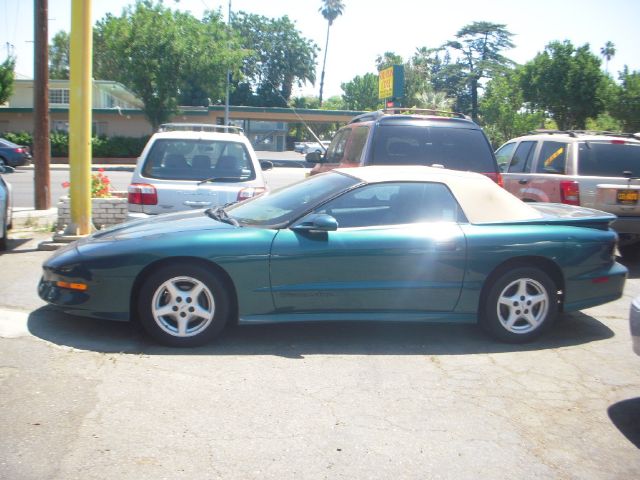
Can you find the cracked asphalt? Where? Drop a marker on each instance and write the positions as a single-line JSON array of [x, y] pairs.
[[93, 400]]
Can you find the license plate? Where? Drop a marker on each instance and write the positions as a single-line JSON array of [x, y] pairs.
[[627, 197]]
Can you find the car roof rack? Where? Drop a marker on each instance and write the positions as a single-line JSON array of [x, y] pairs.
[[200, 127], [369, 116], [576, 133]]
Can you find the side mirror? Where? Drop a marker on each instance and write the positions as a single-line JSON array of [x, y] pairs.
[[320, 222], [266, 165], [314, 157]]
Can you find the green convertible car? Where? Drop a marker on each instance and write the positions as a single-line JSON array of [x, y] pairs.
[[373, 243]]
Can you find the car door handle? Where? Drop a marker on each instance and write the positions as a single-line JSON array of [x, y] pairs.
[[523, 181]]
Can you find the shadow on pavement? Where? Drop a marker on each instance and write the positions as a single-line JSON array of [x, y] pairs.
[[625, 416], [633, 264], [295, 340], [14, 246]]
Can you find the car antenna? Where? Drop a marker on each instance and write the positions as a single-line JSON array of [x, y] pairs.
[[313, 134]]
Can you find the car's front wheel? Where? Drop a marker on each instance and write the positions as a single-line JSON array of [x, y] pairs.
[[183, 305], [520, 304]]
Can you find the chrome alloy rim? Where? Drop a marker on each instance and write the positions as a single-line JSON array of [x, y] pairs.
[[183, 306], [523, 305]]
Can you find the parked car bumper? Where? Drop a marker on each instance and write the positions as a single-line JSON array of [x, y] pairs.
[[137, 216]]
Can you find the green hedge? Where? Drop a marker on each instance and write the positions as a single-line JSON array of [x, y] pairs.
[[103, 147]]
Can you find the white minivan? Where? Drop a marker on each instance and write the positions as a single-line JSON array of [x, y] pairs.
[[191, 166]]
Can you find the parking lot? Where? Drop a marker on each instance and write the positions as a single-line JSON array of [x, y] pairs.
[[90, 399]]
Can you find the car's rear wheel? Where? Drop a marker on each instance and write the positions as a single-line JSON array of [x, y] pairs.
[[183, 305], [520, 304]]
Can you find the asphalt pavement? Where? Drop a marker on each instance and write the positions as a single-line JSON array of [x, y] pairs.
[[96, 399]]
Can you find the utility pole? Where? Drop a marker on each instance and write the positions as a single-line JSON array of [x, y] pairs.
[[226, 103], [80, 102], [41, 142]]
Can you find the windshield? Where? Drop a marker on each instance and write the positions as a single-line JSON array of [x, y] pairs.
[[201, 159], [282, 206], [607, 159], [455, 148]]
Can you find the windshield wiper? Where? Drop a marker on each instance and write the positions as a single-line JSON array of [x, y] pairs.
[[220, 214], [220, 179]]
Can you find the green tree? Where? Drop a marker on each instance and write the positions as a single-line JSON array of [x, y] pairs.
[[59, 56], [361, 93], [566, 82], [160, 55], [334, 103], [626, 103], [608, 52], [420, 74], [7, 75], [277, 57], [330, 10], [388, 59], [604, 123], [479, 45], [503, 112]]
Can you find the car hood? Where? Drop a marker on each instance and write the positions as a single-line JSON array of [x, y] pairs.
[[172, 223]]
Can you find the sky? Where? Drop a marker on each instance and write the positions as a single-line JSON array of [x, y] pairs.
[[368, 28]]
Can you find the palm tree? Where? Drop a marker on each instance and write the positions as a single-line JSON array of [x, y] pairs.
[[608, 51], [330, 10], [434, 100]]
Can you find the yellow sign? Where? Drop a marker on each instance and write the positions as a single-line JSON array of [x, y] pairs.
[[385, 83]]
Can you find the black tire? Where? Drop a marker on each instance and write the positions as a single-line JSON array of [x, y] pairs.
[[3, 239], [4, 230], [203, 315], [520, 304]]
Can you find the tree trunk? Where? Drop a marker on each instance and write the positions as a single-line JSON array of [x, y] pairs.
[[324, 62]]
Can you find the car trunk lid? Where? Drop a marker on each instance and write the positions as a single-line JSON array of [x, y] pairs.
[[570, 215]]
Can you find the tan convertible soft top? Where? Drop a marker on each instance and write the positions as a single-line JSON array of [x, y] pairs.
[[481, 199]]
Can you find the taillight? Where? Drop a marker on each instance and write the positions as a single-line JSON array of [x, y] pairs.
[[570, 192], [142, 194], [20, 150], [250, 192], [496, 177]]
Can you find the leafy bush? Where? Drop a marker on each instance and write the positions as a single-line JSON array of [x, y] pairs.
[[102, 147], [20, 138]]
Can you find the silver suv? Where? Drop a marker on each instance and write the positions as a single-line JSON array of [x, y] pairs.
[[592, 169], [190, 166]]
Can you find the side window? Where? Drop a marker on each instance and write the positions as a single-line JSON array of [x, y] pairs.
[[394, 204], [553, 157], [335, 152], [358, 139], [503, 154], [521, 161]]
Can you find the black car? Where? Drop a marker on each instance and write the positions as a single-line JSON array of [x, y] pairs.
[[402, 136], [13, 155]]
